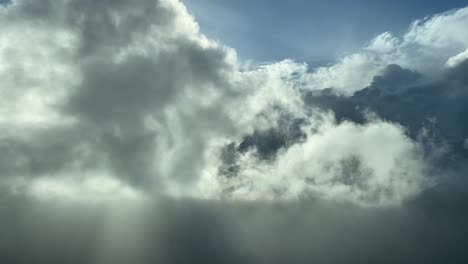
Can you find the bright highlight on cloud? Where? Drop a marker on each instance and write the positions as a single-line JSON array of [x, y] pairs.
[[135, 91]]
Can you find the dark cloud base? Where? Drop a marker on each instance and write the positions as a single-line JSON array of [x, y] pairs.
[[429, 231]]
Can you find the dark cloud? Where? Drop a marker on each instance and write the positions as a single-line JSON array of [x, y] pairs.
[[45, 152], [268, 142], [208, 232], [394, 78]]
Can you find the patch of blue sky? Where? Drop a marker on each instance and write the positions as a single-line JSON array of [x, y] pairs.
[[313, 31]]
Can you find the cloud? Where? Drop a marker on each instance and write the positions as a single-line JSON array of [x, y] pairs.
[[427, 45], [112, 79], [204, 231], [432, 112], [137, 93], [368, 164], [457, 59], [129, 137]]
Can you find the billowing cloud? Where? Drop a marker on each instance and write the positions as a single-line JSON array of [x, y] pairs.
[[426, 46], [121, 84], [136, 93], [370, 164]]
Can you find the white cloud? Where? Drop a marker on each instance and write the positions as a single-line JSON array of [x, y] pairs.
[[383, 43], [350, 74], [365, 164], [426, 47], [135, 90], [445, 32], [457, 59]]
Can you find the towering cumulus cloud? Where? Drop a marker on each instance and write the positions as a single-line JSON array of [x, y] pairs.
[[115, 100], [116, 90]]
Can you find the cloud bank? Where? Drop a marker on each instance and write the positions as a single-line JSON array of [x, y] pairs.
[[123, 120], [134, 93]]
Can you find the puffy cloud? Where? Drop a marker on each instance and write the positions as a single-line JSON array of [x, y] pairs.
[[442, 31], [432, 112], [118, 82], [383, 43], [457, 59], [135, 93], [368, 164], [426, 47]]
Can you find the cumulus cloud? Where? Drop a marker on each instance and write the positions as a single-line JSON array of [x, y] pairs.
[[457, 59], [367, 164], [137, 93], [428, 44], [113, 82]]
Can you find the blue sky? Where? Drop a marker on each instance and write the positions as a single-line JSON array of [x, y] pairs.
[[307, 30]]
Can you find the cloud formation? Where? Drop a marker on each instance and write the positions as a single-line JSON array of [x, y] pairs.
[[134, 92], [428, 44], [121, 120]]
